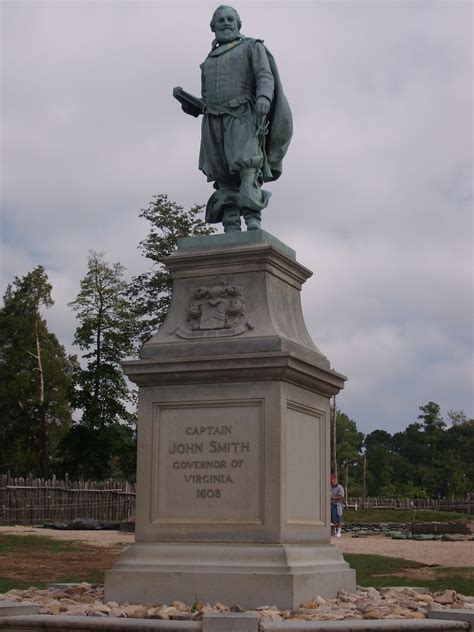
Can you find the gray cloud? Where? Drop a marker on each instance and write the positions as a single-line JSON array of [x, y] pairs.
[[375, 197]]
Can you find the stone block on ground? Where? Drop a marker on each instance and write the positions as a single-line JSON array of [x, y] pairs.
[[231, 622], [10, 608], [383, 625], [41, 623], [453, 614]]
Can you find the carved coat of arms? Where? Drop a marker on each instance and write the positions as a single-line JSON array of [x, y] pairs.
[[217, 309]]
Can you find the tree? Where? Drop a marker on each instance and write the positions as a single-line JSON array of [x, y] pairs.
[[348, 449], [433, 426], [381, 463], [433, 460], [431, 418], [412, 472], [150, 292], [35, 377], [457, 417], [457, 448], [105, 334]]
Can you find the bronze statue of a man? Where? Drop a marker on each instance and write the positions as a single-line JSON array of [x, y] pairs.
[[246, 127]]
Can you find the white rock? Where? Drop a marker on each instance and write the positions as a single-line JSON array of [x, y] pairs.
[[446, 597], [270, 615]]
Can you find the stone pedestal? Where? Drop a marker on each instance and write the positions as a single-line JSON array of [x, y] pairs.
[[233, 437]]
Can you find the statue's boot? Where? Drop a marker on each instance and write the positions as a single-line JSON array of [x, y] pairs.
[[252, 218], [225, 197], [231, 219], [251, 195]]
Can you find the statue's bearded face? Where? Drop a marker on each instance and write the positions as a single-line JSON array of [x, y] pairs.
[[226, 27]]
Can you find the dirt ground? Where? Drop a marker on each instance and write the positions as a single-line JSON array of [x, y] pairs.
[[87, 561], [81, 559], [436, 553], [97, 538]]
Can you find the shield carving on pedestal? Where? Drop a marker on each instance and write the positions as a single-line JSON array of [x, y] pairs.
[[213, 315], [215, 310]]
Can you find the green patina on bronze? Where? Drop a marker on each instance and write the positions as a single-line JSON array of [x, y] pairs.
[[234, 238], [247, 124]]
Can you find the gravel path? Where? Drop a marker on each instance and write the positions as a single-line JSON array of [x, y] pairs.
[[431, 552]]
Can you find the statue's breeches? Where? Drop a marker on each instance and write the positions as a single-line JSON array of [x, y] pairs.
[[229, 143]]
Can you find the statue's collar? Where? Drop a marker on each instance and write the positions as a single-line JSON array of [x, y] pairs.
[[219, 49]]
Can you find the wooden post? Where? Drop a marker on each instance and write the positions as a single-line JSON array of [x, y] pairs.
[[364, 479], [334, 436], [346, 479]]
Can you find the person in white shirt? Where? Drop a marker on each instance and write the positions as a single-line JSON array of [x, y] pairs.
[[337, 505]]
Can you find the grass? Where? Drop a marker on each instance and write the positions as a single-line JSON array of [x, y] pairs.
[[32, 547], [21, 544], [402, 515], [368, 566], [380, 571], [6, 584]]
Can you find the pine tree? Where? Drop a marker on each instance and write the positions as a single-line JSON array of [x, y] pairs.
[[98, 443], [434, 427], [35, 377]]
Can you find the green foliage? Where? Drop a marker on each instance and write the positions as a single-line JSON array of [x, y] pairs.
[[428, 459], [349, 443], [105, 333], [35, 378], [381, 464], [431, 418], [150, 292], [457, 417], [348, 439], [457, 449], [99, 453], [101, 445]]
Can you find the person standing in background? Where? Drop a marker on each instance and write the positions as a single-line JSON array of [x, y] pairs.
[[337, 505]]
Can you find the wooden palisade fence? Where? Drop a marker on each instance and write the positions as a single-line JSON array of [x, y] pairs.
[[33, 501], [461, 505]]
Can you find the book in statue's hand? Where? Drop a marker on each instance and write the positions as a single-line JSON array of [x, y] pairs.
[[189, 103]]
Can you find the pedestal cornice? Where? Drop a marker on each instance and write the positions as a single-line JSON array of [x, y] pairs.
[[257, 257], [274, 365]]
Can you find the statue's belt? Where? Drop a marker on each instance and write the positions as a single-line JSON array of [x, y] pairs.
[[228, 106]]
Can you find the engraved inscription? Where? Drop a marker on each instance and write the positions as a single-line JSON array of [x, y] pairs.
[[217, 309], [208, 471]]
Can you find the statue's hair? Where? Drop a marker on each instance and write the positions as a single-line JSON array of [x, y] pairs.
[[225, 6]]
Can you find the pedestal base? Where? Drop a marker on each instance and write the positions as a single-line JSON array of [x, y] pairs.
[[233, 437], [248, 575]]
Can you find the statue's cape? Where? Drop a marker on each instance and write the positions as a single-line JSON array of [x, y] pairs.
[[280, 129]]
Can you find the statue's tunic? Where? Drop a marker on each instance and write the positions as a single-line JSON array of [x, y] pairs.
[[233, 76]]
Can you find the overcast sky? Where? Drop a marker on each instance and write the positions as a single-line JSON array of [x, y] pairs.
[[375, 195]]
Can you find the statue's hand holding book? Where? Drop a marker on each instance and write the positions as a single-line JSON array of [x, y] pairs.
[[189, 103]]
